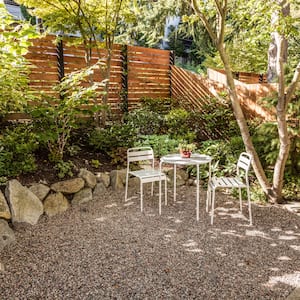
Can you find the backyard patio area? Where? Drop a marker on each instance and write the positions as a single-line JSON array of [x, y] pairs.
[[108, 249]]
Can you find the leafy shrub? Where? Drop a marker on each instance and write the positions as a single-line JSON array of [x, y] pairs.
[[14, 41], [217, 120], [64, 168], [17, 147], [178, 127], [55, 119], [114, 140], [159, 105], [146, 121], [161, 144]]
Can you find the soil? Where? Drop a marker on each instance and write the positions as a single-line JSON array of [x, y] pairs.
[[47, 173]]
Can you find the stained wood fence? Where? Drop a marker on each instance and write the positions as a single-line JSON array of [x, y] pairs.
[[138, 72]]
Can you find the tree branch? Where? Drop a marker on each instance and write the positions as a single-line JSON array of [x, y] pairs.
[[293, 85], [204, 21]]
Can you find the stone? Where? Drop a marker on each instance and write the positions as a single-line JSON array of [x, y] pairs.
[[25, 206], [104, 177], [70, 186], [118, 179], [83, 196], [89, 178], [99, 190], [55, 204], [4, 209], [181, 176], [7, 235], [40, 190]]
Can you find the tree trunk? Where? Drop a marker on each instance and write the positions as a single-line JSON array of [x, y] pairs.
[[273, 52], [240, 118]]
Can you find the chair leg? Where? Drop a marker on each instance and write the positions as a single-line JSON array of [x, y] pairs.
[[213, 206], [152, 188], [208, 197], [240, 197], [141, 189], [126, 187], [159, 195], [249, 205], [166, 191]]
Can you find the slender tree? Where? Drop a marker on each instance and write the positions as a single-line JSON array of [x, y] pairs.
[[217, 32]]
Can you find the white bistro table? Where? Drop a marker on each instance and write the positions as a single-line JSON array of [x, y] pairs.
[[195, 159]]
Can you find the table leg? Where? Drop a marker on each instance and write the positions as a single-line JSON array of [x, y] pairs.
[[174, 181], [197, 196], [207, 194]]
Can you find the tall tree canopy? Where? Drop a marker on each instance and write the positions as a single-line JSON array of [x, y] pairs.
[[283, 26], [96, 23]]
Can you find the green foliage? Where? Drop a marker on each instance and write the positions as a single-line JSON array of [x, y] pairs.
[[55, 119], [161, 144], [14, 41], [218, 120], [159, 105], [113, 140], [17, 146], [177, 124], [146, 121], [95, 163], [64, 168]]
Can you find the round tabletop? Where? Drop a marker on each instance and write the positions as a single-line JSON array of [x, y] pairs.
[[195, 159]]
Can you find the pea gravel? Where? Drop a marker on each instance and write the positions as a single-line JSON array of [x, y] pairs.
[[108, 249]]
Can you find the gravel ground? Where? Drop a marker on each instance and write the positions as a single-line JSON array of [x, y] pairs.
[[106, 249]]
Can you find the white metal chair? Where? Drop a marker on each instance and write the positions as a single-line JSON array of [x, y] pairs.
[[244, 163], [150, 174]]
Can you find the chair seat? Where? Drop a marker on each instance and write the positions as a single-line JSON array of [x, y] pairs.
[[152, 175], [227, 182]]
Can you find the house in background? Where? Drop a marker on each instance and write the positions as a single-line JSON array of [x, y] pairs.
[[14, 9]]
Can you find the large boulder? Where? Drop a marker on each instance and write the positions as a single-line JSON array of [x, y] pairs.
[[89, 178], [7, 235], [82, 196], [104, 177], [99, 190], [4, 209], [70, 186], [40, 190], [25, 206], [55, 204], [118, 179]]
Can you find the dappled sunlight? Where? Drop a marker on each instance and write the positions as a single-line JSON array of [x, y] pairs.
[[167, 237], [101, 219], [284, 258], [191, 246], [258, 233], [295, 247], [128, 203], [233, 233], [150, 215], [292, 279], [276, 229], [287, 237], [111, 205], [190, 243]]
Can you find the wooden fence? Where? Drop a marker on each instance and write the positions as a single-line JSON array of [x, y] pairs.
[[135, 71], [138, 72]]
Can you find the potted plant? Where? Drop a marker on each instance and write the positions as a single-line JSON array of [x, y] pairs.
[[186, 149]]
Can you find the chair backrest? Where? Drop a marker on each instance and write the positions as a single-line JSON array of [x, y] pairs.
[[140, 154], [244, 163]]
